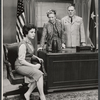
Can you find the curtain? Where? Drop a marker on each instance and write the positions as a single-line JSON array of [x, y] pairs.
[[29, 6]]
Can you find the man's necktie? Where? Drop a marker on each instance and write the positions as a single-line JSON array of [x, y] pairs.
[[71, 19]]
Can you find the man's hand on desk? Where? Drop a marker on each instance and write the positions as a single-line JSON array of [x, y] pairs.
[[83, 44], [40, 48], [63, 46]]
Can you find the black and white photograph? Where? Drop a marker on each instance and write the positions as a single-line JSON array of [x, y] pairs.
[[50, 49]]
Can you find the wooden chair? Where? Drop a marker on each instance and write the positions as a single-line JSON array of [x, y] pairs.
[[11, 53]]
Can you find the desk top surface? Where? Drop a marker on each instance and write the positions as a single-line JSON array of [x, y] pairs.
[[69, 51]]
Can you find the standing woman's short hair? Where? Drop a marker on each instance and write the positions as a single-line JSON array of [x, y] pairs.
[[27, 28], [51, 11]]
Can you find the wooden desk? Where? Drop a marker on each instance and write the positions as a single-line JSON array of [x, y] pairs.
[[69, 69]]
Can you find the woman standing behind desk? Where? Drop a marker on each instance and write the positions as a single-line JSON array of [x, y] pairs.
[[32, 74], [52, 30]]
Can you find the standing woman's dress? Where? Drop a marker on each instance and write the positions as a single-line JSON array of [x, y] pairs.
[[31, 74]]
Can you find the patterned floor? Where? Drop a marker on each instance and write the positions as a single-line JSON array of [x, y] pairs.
[[78, 95]]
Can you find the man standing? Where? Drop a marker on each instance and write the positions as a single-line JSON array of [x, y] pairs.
[[52, 30], [73, 29]]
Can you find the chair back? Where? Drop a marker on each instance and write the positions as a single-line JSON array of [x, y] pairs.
[[11, 53]]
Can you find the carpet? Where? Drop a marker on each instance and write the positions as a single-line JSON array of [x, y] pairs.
[[77, 95]]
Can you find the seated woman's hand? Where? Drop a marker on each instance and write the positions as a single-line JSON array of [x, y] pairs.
[[40, 60]]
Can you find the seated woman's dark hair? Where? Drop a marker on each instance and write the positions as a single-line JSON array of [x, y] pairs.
[[51, 11], [27, 28]]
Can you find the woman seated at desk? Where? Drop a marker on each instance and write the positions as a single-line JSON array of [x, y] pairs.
[[32, 74]]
